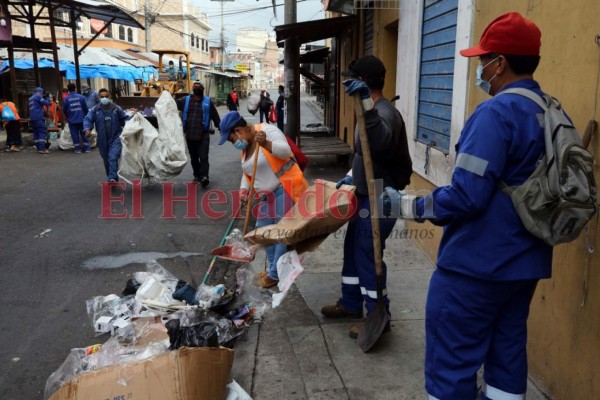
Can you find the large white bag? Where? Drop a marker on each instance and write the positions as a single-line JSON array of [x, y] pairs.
[[65, 142], [148, 153]]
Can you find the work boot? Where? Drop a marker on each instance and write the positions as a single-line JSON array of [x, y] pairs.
[[337, 311], [267, 282], [354, 330]]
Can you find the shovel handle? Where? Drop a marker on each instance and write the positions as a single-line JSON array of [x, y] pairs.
[[366, 153], [251, 192]]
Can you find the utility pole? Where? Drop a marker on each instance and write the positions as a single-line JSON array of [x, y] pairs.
[[291, 59], [148, 21], [222, 35]]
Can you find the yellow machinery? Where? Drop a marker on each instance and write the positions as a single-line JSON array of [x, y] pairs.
[[173, 78]]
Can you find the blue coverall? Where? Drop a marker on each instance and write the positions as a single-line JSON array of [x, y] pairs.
[[75, 109], [37, 119], [109, 122], [488, 264]]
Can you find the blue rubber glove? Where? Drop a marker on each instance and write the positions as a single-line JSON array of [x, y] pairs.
[[347, 180], [358, 87]]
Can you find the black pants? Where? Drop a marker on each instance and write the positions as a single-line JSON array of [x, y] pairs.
[[13, 133], [199, 155], [264, 114]]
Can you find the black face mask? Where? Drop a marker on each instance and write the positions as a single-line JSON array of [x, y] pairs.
[[198, 92]]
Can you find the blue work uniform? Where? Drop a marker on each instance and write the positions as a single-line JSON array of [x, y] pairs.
[[392, 167], [75, 109], [109, 124], [37, 119], [488, 264]]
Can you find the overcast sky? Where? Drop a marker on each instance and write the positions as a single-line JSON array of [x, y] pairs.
[[252, 13]]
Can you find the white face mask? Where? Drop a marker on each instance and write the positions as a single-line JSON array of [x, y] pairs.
[[484, 85]]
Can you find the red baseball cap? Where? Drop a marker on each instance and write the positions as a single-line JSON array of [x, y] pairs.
[[510, 33]]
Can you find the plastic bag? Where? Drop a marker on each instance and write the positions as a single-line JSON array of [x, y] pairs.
[[70, 368], [209, 296], [253, 103], [202, 334], [288, 269], [105, 311], [236, 392], [273, 114], [240, 248]]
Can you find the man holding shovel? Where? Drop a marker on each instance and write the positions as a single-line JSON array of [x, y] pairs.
[[392, 166]]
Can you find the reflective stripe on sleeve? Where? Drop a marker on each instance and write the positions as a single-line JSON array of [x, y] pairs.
[[493, 393], [471, 163], [350, 280], [430, 397]]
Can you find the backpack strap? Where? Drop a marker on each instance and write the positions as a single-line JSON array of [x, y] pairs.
[[545, 103]]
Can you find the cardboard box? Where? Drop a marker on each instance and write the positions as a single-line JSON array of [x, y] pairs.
[[183, 374], [321, 210]]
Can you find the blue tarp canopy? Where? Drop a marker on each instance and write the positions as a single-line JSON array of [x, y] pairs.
[[94, 63]]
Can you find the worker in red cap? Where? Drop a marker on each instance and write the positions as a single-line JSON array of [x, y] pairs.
[[488, 263]]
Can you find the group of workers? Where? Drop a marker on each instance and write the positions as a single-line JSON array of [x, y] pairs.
[[488, 264]]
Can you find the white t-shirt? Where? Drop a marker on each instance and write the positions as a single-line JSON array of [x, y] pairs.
[[265, 177]]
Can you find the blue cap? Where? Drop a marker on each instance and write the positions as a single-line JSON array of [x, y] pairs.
[[227, 123], [38, 89]]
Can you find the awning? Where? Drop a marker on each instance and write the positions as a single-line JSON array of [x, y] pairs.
[[94, 62], [93, 9], [311, 31], [313, 57]]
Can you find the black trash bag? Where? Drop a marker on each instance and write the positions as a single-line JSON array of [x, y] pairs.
[[131, 288], [203, 334]]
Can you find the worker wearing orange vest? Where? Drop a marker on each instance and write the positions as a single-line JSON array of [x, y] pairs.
[[278, 177], [12, 125]]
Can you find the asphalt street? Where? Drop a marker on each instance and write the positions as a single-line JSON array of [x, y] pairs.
[[58, 250]]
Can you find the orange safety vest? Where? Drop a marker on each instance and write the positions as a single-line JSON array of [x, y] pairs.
[[287, 171]]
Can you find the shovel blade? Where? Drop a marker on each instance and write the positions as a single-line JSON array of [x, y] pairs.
[[226, 253], [373, 327]]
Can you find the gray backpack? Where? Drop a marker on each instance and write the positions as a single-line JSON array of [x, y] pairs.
[[559, 198]]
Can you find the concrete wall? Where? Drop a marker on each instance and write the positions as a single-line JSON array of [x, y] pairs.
[[564, 326]]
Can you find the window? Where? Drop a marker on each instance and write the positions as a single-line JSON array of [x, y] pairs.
[[193, 40], [121, 32], [130, 35], [108, 31], [437, 72]]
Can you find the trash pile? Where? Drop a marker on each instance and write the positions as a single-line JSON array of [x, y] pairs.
[[160, 315]]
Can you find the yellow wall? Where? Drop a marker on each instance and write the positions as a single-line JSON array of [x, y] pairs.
[[564, 336]]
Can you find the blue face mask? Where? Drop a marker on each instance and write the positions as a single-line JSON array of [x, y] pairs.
[[241, 144], [484, 85], [105, 101]]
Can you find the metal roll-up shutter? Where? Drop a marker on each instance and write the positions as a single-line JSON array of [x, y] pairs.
[[369, 32], [437, 72]]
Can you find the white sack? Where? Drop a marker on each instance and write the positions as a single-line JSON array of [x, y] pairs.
[[253, 103], [148, 153], [65, 142]]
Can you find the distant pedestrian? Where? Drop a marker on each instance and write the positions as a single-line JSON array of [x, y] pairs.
[[75, 109], [37, 119], [279, 107], [91, 97], [108, 119], [12, 125], [197, 112], [233, 102], [265, 106]]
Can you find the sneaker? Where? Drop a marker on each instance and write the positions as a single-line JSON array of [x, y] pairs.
[[267, 282], [337, 311], [77, 151], [196, 179], [356, 328], [14, 149], [43, 152], [112, 181], [204, 181], [87, 151]]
